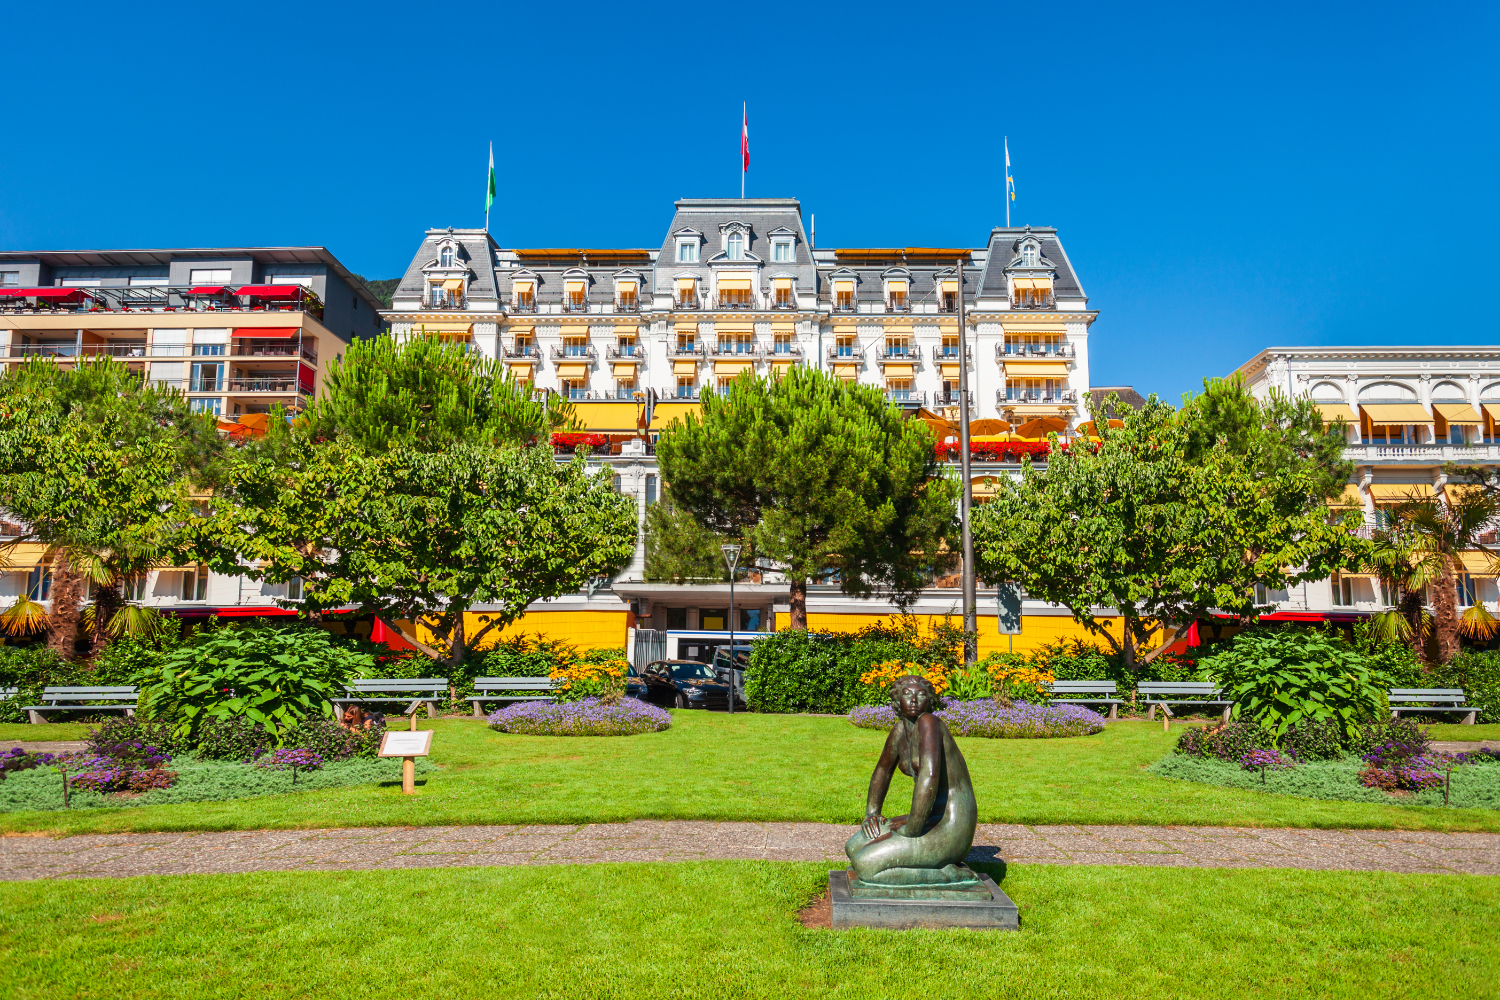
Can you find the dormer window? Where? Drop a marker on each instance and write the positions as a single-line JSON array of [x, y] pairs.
[[1028, 256], [687, 251], [525, 296], [736, 247], [445, 259], [625, 299], [781, 251], [895, 295], [575, 298]]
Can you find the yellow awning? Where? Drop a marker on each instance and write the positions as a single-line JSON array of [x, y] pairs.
[[1036, 409], [519, 329], [684, 368], [781, 282], [1493, 409], [950, 285], [1045, 284], [1351, 497], [627, 329], [1035, 369], [731, 367], [734, 286], [1479, 563], [846, 371], [736, 327], [520, 369], [1395, 492], [522, 286], [1021, 282], [574, 286], [846, 287], [1033, 326], [1336, 411], [575, 330], [21, 555], [686, 284], [780, 367], [685, 326], [898, 371], [453, 285], [1461, 414], [572, 371], [1396, 413], [445, 327], [625, 369], [669, 410], [625, 285], [950, 371], [617, 416], [896, 285], [790, 329]]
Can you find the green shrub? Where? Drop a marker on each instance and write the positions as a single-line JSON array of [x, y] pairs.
[[30, 669], [1276, 679], [1477, 672], [1229, 742], [271, 675]]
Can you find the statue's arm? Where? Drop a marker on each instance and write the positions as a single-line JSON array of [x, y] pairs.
[[880, 783], [925, 787]]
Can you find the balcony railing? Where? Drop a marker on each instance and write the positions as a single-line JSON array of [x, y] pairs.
[[529, 351], [1041, 302], [575, 305], [946, 397], [75, 350], [686, 302], [846, 352], [784, 303], [630, 352], [687, 392], [267, 383], [901, 353], [1048, 350], [272, 349], [948, 304], [842, 305], [627, 305], [526, 305], [448, 300], [579, 351], [736, 349], [1011, 394], [1442, 451], [785, 349], [906, 397], [685, 350], [900, 305], [731, 300], [944, 352], [205, 385], [158, 298]]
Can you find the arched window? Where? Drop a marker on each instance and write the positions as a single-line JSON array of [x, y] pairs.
[[736, 246], [1028, 256], [446, 258]]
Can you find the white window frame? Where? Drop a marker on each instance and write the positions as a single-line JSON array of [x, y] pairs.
[[687, 250]]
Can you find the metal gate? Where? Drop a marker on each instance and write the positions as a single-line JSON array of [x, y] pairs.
[[650, 644]]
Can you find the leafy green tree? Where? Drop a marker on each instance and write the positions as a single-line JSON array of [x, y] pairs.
[[99, 467], [427, 536], [1161, 525], [819, 476], [680, 550]]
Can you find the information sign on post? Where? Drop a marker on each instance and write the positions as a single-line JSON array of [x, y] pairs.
[[1008, 603], [408, 746]]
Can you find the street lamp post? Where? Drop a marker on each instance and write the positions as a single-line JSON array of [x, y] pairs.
[[731, 560]]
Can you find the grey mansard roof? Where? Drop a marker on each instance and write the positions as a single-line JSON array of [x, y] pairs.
[[477, 251], [1003, 244]]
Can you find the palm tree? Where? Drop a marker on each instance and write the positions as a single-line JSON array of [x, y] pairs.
[[1436, 534], [1390, 559]]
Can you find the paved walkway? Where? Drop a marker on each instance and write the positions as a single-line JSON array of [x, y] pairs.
[[384, 849]]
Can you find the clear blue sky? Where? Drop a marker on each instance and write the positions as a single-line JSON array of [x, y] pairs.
[[1225, 177]]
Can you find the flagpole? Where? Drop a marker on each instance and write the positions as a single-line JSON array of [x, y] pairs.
[[1007, 182], [744, 143], [966, 495]]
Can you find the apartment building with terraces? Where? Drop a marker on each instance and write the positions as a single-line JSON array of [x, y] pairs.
[[1407, 413], [636, 336], [239, 330]]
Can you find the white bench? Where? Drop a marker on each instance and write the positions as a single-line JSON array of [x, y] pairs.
[[509, 689], [1068, 692], [1198, 694], [83, 699], [415, 690], [1435, 700]]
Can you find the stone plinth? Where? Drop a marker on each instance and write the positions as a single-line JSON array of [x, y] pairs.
[[991, 909]]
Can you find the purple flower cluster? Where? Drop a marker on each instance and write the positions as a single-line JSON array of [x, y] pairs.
[[290, 760], [585, 717], [16, 759], [1271, 760], [129, 766], [984, 717]]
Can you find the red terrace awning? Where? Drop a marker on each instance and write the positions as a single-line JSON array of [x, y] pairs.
[[207, 289], [271, 291], [55, 294], [267, 332]]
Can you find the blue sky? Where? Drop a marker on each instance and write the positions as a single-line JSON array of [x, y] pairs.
[[1225, 177]]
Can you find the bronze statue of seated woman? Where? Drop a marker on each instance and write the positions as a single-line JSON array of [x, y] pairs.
[[921, 852]]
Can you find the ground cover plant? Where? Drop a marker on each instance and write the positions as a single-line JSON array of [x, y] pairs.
[[584, 717], [986, 718], [710, 765], [578, 931]]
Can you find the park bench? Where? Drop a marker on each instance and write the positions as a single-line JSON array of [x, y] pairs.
[[1071, 692], [1198, 694], [415, 690], [9, 693], [509, 689], [83, 699], [1434, 700]]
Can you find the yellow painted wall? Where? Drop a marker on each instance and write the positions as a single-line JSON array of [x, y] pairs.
[[584, 629], [1036, 630]]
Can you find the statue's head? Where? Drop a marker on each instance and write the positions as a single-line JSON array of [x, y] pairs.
[[911, 696]]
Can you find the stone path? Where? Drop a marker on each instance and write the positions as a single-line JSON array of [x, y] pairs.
[[375, 848]]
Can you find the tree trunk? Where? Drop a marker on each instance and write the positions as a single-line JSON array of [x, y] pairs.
[[456, 648], [1445, 614], [1411, 609], [799, 604], [106, 604], [1128, 646], [62, 622]]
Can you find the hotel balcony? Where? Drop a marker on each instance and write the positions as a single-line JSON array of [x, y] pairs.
[[574, 351], [161, 298], [248, 348], [694, 350], [528, 353], [1033, 302], [900, 305], [906, 397], [1374, 453], [447, 300], [267, 383], [627, 305], [787, 304], [846, 352], [736, 350], [785, 349], [72, 349], [950, 354], [733, 301], [575, 305], [844, 305], [687, 302], [527, 305], [626, 352], [1050, 350], [903, 354], [1011, 394]]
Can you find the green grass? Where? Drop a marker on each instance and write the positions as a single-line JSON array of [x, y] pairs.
[[727, 929], [760, 767], [45, 733]]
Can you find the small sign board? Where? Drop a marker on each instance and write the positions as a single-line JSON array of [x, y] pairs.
[[1008, 597], [396, 743]]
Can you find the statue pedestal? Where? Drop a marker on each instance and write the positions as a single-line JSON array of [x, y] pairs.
[[982, 906]]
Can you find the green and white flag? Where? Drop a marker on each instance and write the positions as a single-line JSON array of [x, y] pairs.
[[489, 194]]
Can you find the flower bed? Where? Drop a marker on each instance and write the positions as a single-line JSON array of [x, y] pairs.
[[585, 717], [1475, 786], [985, 718]]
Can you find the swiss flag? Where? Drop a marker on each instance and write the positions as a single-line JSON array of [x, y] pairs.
[[745, 137]]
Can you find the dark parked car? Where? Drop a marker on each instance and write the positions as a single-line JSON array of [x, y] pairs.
[[634, 686], [684, 684]]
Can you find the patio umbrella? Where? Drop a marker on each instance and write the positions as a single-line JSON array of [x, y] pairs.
[[1087, 430], [987, 427], [1040, 427]]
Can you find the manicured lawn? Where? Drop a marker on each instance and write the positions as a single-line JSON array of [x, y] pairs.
[[50, 731], [727, 929], [760, 767]]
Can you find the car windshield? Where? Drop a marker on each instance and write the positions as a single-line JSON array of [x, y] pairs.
[[692, 672]]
